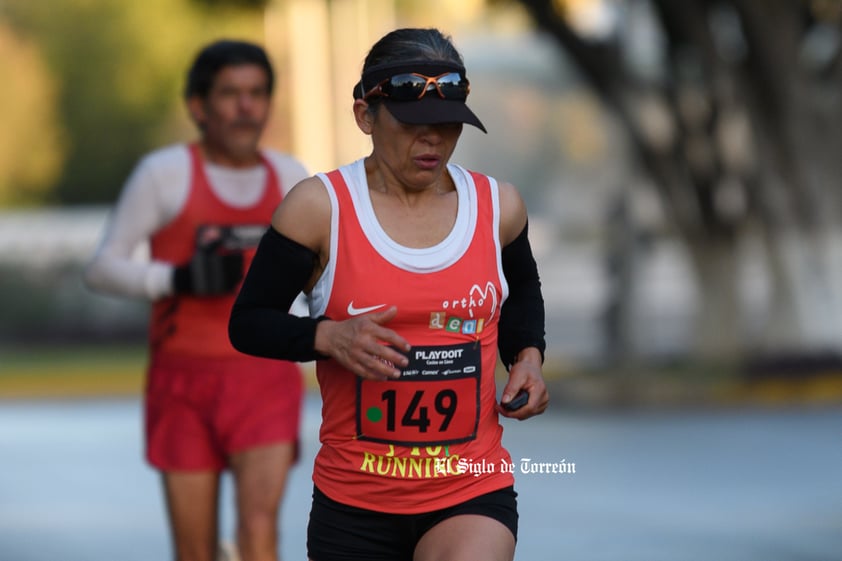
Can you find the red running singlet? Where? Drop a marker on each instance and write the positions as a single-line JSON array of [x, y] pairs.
[[431, 439], [184, 325]]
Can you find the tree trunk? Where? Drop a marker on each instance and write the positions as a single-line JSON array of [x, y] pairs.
[[719, 326]]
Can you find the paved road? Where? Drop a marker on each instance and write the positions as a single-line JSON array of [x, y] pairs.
[[671, 486]]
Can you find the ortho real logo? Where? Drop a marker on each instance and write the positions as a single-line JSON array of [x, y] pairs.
[[471, 326], [466, 326], [478, 297], [439, 320], [480, 300]]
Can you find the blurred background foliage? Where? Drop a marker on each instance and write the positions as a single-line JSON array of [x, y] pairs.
[[95, 83], [32, 138]]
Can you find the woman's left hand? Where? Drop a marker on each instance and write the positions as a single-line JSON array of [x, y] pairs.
[[526, 374]]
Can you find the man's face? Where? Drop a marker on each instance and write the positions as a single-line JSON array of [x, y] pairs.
[[233, 115]]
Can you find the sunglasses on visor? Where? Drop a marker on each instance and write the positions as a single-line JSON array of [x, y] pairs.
[[414, 86]]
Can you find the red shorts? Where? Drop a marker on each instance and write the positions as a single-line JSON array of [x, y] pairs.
[[199, 411]]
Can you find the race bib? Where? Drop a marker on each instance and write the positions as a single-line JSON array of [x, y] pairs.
[[435, 401]]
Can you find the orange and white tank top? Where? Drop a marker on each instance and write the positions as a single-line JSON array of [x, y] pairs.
[[418, 443], [183, 325]]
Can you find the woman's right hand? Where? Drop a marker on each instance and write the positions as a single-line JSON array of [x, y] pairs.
[[363, 345]]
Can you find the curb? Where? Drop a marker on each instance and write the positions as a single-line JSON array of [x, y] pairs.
[[600, 391]]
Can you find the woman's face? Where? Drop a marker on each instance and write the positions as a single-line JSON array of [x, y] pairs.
[[414, 155]]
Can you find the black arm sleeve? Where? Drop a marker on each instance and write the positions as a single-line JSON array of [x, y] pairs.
[[260, 322], [522, 315]]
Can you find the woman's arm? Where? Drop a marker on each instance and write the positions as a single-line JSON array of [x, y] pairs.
[[521, 330], [291, 258]]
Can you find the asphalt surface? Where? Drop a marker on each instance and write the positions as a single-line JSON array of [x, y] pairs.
[[735, 485]]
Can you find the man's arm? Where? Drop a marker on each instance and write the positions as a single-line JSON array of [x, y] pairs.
[[290, 171], [150, 198]]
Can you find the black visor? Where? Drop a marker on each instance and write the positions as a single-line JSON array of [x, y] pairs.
[[439, 102]]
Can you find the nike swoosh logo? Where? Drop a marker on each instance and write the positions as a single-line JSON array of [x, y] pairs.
[[352, 311]]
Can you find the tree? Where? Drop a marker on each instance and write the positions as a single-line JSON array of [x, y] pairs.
[[118, 69], [31, 139], [736, 123], [251, 4]]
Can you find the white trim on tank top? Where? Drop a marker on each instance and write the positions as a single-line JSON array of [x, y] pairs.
[[417, 260]]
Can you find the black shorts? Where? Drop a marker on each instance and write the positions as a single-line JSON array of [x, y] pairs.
[[338, 532]]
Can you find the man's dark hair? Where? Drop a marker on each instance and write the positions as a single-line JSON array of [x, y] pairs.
[[217, 56]]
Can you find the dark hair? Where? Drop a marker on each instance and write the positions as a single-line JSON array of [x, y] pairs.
[[216, 56], [411, 44], [425, 51]]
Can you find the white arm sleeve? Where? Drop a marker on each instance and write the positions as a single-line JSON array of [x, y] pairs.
[[290, 171], [152, 197]]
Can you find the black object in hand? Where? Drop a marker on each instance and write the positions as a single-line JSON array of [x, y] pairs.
[[209, 273], [517, 401]]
